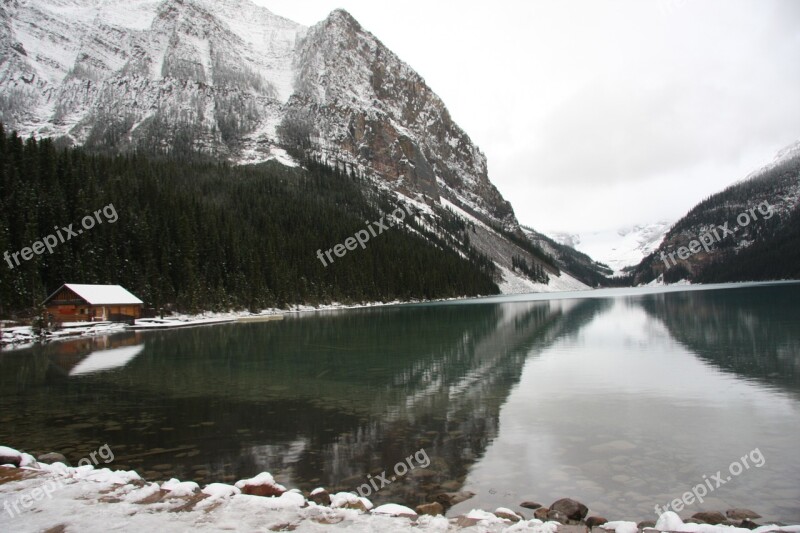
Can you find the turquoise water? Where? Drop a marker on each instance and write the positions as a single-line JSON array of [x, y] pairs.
[[622, 400]]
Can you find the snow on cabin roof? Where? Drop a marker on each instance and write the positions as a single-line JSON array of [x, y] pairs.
[[102, 294]]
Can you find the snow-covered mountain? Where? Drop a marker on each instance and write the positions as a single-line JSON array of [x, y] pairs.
[[235, 81], [620, 248], [223, 77]]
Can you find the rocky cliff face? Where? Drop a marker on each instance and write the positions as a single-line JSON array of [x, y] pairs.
[[366, 103], [220, 77], [235, 81]]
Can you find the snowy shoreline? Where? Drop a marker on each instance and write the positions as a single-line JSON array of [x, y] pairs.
[[36, 496], [21, 337]]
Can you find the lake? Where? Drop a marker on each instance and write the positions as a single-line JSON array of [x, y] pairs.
[[621, 399]]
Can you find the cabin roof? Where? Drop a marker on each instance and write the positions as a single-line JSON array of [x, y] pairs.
[[100, 294]]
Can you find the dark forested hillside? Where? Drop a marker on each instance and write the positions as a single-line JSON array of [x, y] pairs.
[[579, 265], [760, 240], [209, 236]]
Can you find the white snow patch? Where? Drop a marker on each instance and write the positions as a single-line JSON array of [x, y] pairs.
[[618, 248], [478, 514], [263, 479], [342, 499], [621, 527], [86, 499], [178, 488], [282, 156], [5, 451], [515, 284], [505, 510], [220, 490], [393, 509]]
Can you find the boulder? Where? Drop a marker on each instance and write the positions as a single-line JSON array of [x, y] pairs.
[[741, 514], [349, 500], [710, 517], [393, 509], [572, 509], [646, 524], [507, 514], [593, 521], [9, 456], [748, 524], [267, 491], [320, 497], [530, 505], [449, 499], [261, 485], [356, 506], [52, 457], [557, 516], [432, 509], [575, 528], [541, 513]]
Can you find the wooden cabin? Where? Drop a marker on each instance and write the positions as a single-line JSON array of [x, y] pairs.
[[93, 303]]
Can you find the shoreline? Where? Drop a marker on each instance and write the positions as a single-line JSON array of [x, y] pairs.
[[21, 337], [38, 495]]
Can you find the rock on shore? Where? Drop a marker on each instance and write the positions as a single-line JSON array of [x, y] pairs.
[[35, 496]]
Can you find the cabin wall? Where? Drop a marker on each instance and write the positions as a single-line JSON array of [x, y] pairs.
[[94, 313]]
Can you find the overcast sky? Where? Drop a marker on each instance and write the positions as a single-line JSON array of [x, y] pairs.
[[601, 114]]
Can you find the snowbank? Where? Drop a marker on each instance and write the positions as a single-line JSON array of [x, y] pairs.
[[39, 497]]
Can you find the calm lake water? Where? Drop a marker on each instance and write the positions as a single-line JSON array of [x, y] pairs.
[[621, 400]]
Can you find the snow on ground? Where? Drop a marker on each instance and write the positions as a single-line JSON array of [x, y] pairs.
[[514, 284], [40, 497], [463, 214], [393, 509], [22, 336], [282, 156], [659, 282], [617, 248], [179, 322], [785, 154]]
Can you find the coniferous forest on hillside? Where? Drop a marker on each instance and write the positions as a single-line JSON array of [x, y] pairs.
[[196, 235], [773, 250]]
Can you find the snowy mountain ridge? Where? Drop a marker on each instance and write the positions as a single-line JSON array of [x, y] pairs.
[[235, 81], [223, 76], [763, 211], [784, 155], [619, 248]]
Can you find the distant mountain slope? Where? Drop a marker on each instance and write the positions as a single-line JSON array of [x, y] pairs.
[[618, 249], [585, 269], [233, 81], [749, 231]]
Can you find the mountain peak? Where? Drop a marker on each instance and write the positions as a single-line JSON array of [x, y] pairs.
[[240, 79], [341, 15], [788, 152], [784, 155]]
